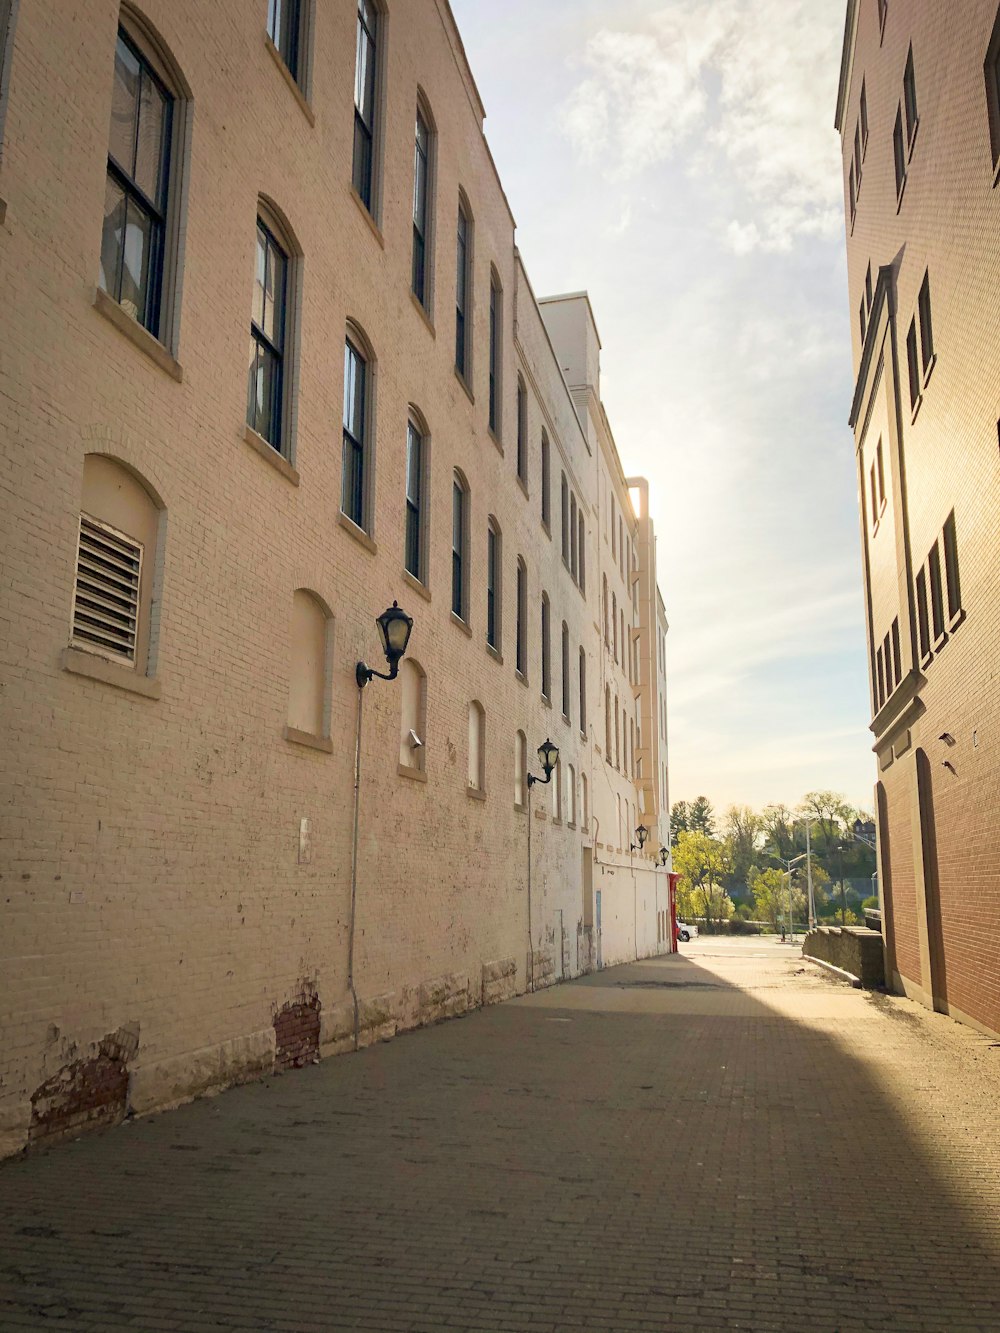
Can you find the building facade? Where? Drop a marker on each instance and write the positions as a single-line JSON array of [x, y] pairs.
[[269, 362], [919, 117]]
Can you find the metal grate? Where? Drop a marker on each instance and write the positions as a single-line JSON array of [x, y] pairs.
[[106, 600]]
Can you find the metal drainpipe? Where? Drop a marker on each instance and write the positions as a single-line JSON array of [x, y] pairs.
[[354, 871], [531, 947]]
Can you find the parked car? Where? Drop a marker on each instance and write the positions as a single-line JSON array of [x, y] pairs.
[[686, 932]]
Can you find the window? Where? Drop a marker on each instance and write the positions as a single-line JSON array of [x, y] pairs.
[[564, 494], [868, 287], [584, 803], [113, 602], [267, 340], [583, 692], [621, 548], [614, 624], [863, 319], [631, 742], [415, 558], [521, 663], [355, 482], [462, 289], [459, 545], [880, 473], [880, 678], [7, 19], [923, 617], [621, 621], [412, 716], [604, 607], [618, 737], [546, 649], [309, 667], [555, 791], [937, 592], [912, 365], [897, 665], [614, 548], [134, 233], [607, 723], [520, 770], [910, 98], [284, 27], [421, 210], [899, 153], [926, 328], [565, 671], [572, 535], [571, 796], [365, 79], [991, 69], [494, 558], [546, 497], [883, 6], [581, 553], [496, 334], [857, 156], [477, 746], [951, 569], [864, 118], [522, 432]]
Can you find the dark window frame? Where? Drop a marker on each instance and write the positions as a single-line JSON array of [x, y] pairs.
[[419, 273], [546, 463], [899, 153], [910, 99], [521, 647], [496, 334], [912, 365], [546, 646], [462, 288], [273, 351], [363, 164], [949, 538], [494, 558], [414, 549], [991, 74], [522, 432], [583, 690], [926, 324], [354, 476], [287, 38], [459, 548]]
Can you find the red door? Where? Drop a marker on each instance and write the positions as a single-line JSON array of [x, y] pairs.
[[673, 876]]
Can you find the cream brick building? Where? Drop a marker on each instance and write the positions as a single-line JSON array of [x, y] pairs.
[[185, 595], [919, 116]]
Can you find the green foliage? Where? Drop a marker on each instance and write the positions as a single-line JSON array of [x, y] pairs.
[[742, 835], [702, 863], [701, 816], [679, 822], [871, 902], [770, 893]]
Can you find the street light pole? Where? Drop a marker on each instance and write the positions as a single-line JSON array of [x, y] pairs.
[[809, 877]]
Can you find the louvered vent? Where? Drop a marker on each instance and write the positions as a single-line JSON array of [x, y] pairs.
[[106, 605]]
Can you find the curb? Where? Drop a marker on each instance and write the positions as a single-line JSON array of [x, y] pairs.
[[838, 972]]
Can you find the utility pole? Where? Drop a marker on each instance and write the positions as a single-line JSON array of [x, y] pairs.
[[809, 877]]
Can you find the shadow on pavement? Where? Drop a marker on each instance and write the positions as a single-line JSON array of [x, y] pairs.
[[650, 1148]]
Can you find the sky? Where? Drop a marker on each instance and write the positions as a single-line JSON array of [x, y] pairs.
[[677, 159]]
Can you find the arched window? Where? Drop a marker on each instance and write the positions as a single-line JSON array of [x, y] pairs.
[[522, 431], [555, 790], [571, 796], [621, 616], [494, 584], [357, 481], [565, 670], [417, 491], [546, 648], [309, 668], [463, 289], [604, 607], [607, 723], [116, 591], [564, 499], [367, 70], [520, 770], [412, 716], [141, 231], [614, 622], [424, 145], [477, 747], [572, 535], [584, 803], [618, 737], [581, 552], [546, 494], [631, 736], [583, 692], [460, 547], [521, 664], [496, 353]]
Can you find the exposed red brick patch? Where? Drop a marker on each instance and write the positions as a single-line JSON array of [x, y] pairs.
[[296, 1032], [90, 1093]]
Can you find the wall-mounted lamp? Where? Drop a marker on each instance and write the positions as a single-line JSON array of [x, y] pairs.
[[664, 856], [641, 833], [394, 628], [548, 757]]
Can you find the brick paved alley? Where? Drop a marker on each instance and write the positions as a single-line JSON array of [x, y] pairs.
[[728, 1140]]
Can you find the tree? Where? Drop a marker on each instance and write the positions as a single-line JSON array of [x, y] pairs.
[[742, 830], [703, 863], [701, 816], [770, 894], [831, 812], [679, 822], [779, 830]]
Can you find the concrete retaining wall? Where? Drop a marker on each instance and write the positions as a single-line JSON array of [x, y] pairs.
[[854, 949]]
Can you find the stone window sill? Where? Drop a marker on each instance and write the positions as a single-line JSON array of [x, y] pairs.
[[307, 739], [359, 534], [457, 620], [495, 653], [373, 226], [270, 455], [521, 678], [524, 487], [465, 385], [520, 807], [930, 369], [136, 334], [916, 407], [80, 663], [415, 774], [475, 793], [416, 585], [289, 78], [423, 313], [496, 440]]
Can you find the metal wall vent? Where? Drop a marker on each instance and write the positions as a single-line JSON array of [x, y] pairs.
[[106, 599]]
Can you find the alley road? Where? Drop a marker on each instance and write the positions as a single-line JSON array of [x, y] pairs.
[[725, 1140]]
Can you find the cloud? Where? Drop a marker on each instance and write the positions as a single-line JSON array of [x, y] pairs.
[[746, 87]]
